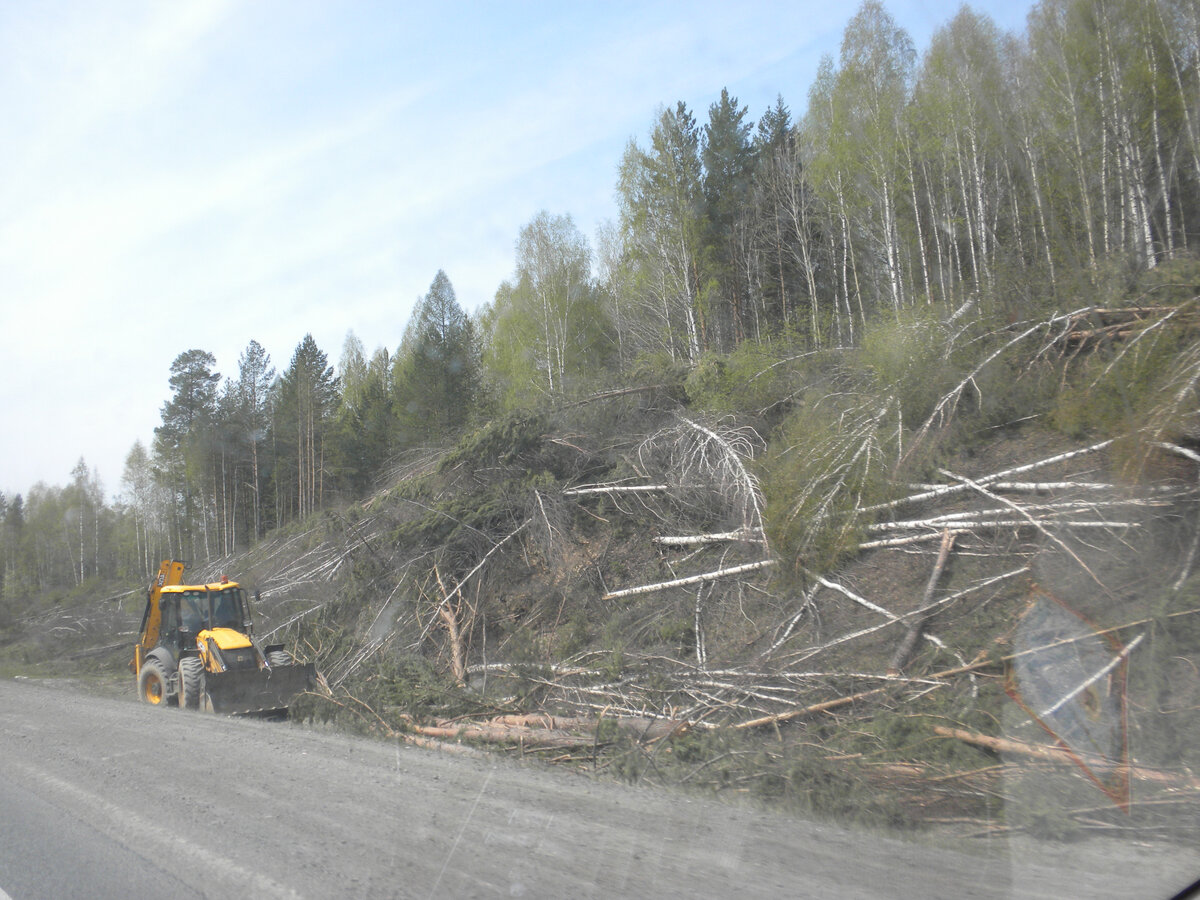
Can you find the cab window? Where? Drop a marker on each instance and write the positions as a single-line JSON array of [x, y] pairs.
[[193, 608]]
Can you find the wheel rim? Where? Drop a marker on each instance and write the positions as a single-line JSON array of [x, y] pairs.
[[153, 690]]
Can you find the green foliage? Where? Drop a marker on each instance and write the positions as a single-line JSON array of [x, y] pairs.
[[660, 368], [1112, 389], [826, 461], [828, 284], [456, 521], [1165, 730], [1039, 802], [573, 635], [753, 379], [547, 333], [436, 372], [383, 695], [363, 434], [304, 407], [832, 789], [1144, 375], [679, 633], [797, 777], [909, 357], [500, 442], [1174, 282]]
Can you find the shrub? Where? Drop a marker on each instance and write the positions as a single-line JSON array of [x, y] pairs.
[[826, 462], [909, 358]]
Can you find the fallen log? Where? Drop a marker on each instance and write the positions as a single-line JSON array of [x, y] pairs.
[[814, 708], [616, 489], [525, 737], [1021, 511], [981, 661], [544, 731], [943, 490], [643, 726], [913, 634], [1061, 755], [692, 579], [429, 743], [751, 535]]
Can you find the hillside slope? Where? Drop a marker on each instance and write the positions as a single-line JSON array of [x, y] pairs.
[[946, 579]]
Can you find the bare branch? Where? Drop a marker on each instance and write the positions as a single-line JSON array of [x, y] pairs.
[[945, 490], [1034, 522]]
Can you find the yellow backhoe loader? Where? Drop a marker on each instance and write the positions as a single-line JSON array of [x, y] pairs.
[[197, 650]]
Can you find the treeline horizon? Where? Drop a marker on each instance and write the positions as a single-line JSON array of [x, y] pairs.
[[993, 177]]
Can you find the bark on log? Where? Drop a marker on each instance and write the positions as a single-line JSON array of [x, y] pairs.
[[913, 634], [1060, 755], [752, 535], [526, 737], [646, 727], [548, 731], [693, 579], [616, 489]]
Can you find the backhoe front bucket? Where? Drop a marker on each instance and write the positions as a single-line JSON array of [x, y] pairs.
[[257, 690]]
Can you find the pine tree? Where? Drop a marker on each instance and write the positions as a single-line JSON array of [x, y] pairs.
[[728, 158], [183, 445], [307, 399], [437, 366], [251, 420]]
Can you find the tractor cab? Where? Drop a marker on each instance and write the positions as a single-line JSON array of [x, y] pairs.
[[213, 606], [189, 610], [211, 618]]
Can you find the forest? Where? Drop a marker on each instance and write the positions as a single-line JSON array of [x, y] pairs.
[[990, 179]]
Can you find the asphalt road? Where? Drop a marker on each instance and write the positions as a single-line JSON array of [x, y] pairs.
[[101, 797]]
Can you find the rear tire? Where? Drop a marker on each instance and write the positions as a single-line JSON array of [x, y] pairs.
[[191, 682], [152, 683]]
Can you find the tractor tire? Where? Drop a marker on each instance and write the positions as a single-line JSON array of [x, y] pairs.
[[279, 658], [191, 682], [152, 683]]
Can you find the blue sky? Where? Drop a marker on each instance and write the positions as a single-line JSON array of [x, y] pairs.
[[200, 173]]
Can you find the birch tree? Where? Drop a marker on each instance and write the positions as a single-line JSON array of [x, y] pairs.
[[660, 197], [547, 331], [959, 123], [870, 93]]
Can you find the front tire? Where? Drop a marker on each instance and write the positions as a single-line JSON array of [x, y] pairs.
[[152, 683], [191, 682]]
